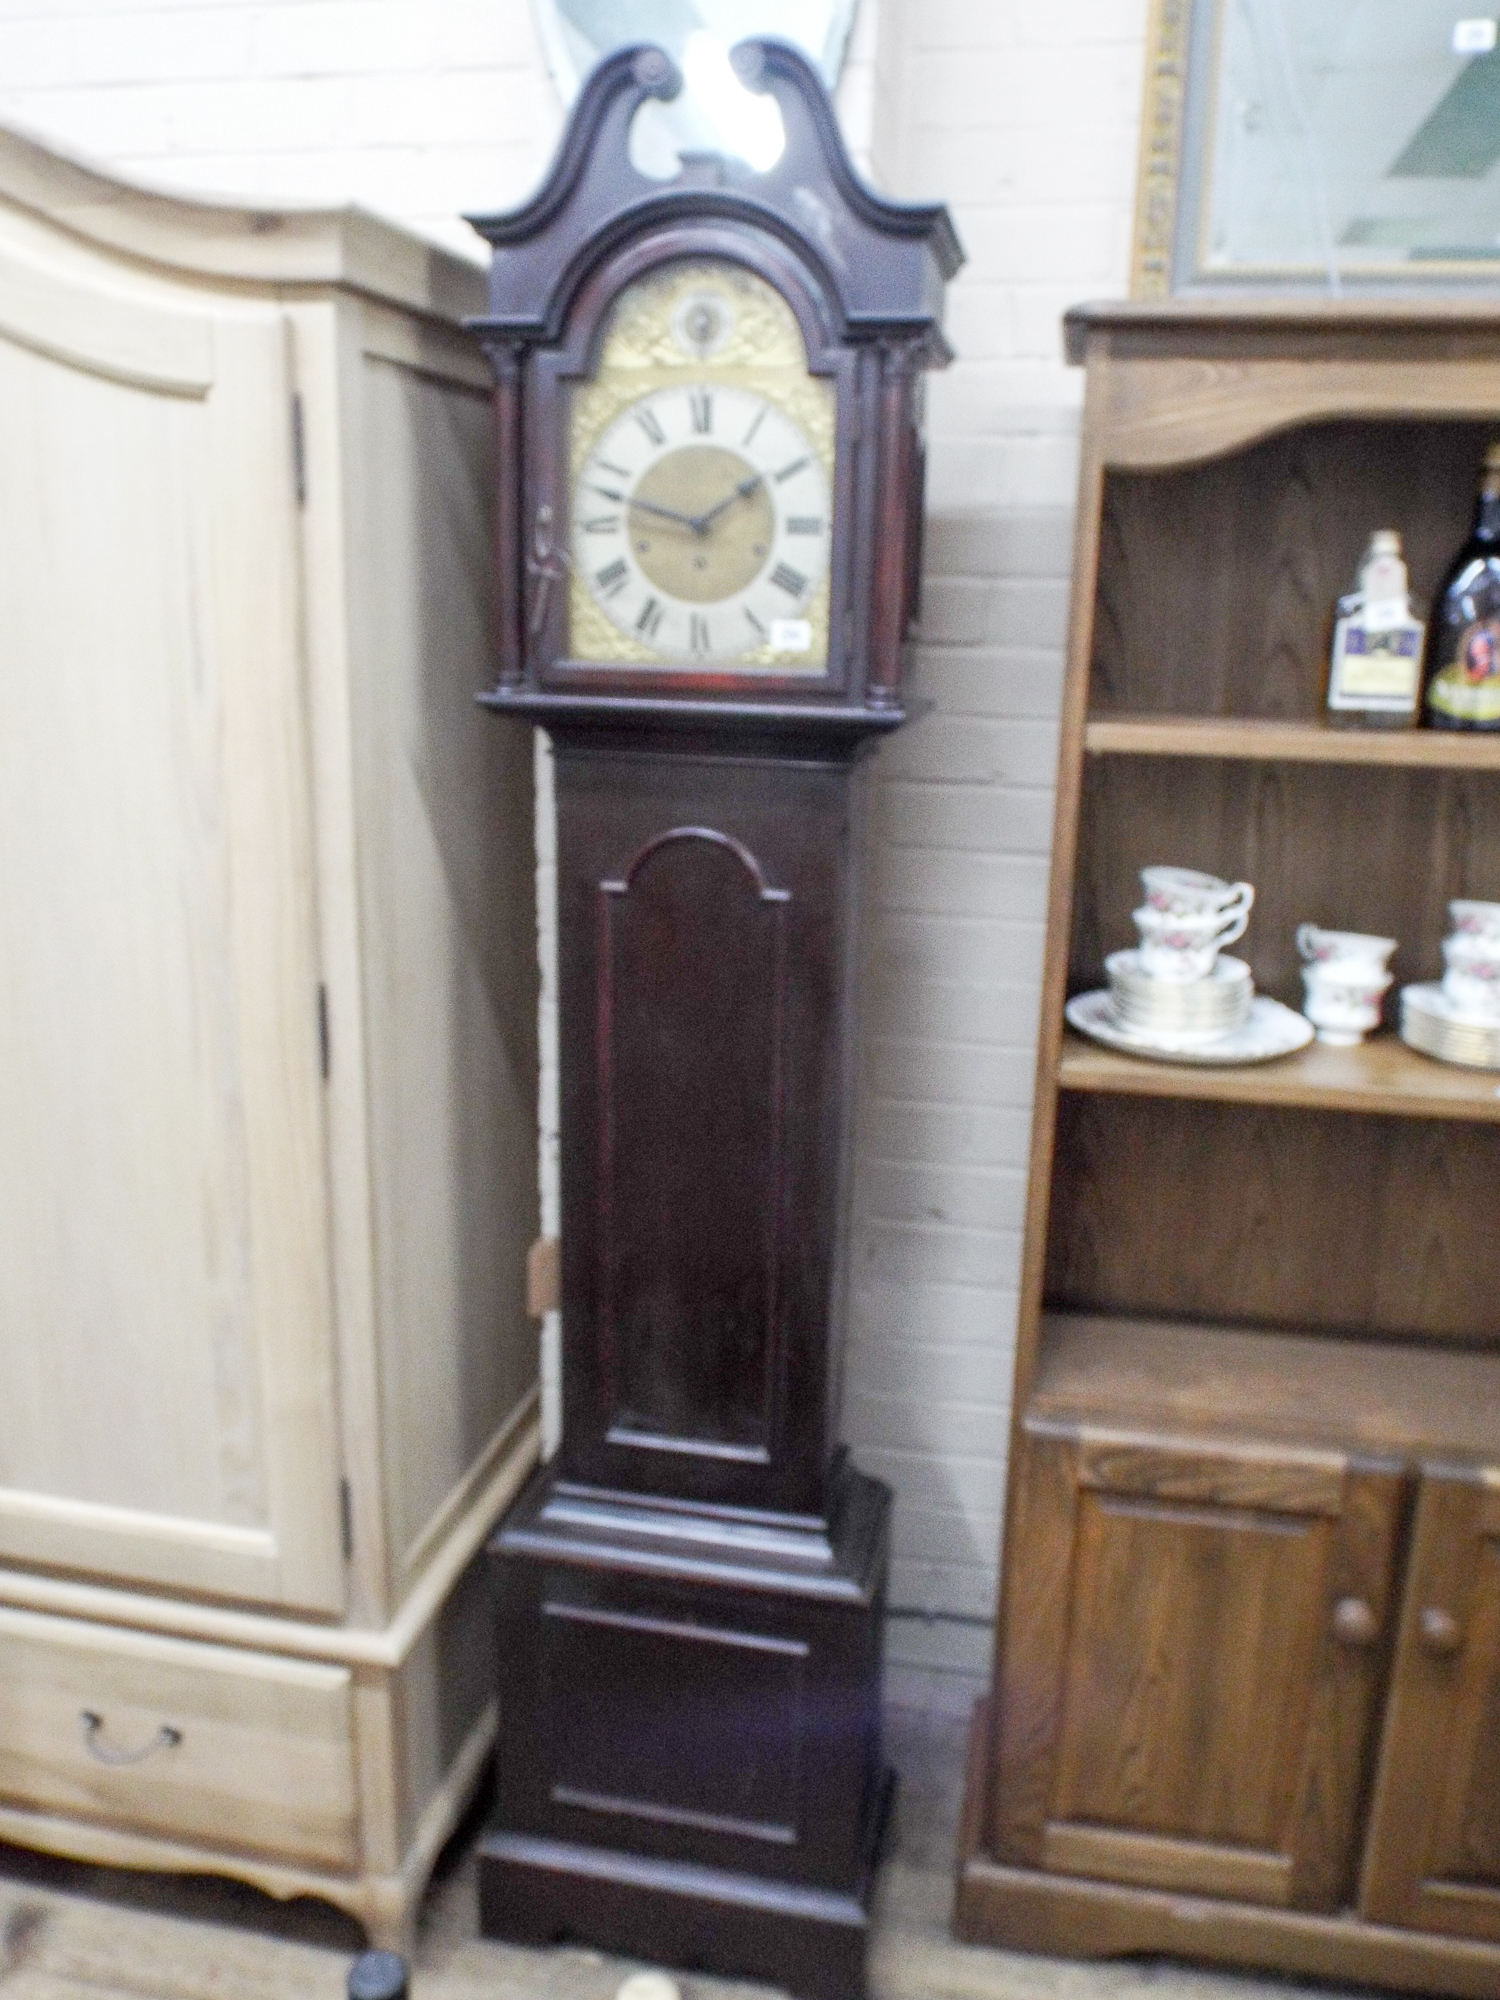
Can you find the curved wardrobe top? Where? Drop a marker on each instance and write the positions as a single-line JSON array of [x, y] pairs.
[[281, 245]]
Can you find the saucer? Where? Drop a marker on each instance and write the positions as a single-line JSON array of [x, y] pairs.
[[1205, 1008], [1430, 1023], [1229, 974], [1270, 1031]]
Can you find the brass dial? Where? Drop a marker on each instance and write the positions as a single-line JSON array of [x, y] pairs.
[[701, 524]]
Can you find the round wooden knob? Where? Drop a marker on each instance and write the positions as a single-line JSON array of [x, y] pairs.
[[1441, 1631], [1354, 1622]]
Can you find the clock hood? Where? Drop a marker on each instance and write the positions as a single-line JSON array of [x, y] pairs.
[[882, 263]]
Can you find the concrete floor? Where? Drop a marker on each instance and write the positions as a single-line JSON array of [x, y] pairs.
[[71, 1932]]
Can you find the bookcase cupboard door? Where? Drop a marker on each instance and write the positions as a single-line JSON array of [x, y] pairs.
[[1433, 1858], [167, 1405], [1190, 1655]]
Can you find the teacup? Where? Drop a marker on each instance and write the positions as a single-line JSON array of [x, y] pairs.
[[1344, 948], [1466, 950], [1343, 997], [1472, 980], [1182, 892], [1183, 945], [1472, 919]]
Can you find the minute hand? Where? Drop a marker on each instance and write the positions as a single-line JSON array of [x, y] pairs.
[[741, 492]]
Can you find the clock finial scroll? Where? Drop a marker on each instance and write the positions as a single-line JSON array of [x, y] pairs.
[[707, 538]]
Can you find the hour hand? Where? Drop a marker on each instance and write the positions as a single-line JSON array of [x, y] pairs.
[[695, 522], [741, 492]]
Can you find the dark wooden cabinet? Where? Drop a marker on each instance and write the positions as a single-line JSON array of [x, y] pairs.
[[1434, 1850], [1246, 1699]]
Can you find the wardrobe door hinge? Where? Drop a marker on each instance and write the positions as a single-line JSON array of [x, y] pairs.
[[299, 451], [346, 1518], [325, 1045]]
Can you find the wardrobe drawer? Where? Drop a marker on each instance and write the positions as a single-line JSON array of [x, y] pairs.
[[190, 1742]]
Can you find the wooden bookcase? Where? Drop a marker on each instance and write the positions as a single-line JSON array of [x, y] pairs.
[[1246, 1702]]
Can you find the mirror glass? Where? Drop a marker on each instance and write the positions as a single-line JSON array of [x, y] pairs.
[[1341, 140], [714, 112]]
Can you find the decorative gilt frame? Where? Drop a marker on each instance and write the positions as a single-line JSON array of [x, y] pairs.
[[1159, 173], [1172, 185]]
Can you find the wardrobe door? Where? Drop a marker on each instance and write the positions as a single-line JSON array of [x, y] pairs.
[[1433, 1860], [166, 1358]]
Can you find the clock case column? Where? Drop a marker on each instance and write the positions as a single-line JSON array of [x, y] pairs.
[[690, 1594]]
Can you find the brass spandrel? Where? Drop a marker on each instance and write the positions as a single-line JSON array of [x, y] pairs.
[[647, 326]]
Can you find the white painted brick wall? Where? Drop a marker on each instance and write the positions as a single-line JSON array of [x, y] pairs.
[[418, 108], [1023, 117], [422, 109]]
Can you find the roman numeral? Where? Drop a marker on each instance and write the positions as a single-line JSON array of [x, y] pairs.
[[607, 524], [788, 471], [760, 630], [650, 618], [698, 633], [648, 423], [620, 471], [703, 411], [606, 493], [760, 417], [611, 579], [788, 579], [803, 524]]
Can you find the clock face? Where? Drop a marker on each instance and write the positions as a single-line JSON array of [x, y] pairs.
[[702, 461], [701, 524]]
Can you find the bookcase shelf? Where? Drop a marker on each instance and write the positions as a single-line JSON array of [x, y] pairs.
[[1290, 1387], [1291, 742], [1382, 1076]]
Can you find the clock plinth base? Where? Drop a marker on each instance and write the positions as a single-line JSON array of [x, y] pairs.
[[812, 1943], [689, 1763]]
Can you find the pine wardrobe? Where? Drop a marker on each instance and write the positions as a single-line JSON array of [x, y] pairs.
[[267, 1041]]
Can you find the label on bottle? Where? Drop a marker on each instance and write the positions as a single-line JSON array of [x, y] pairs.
[[1468, 686], [1377, 662], [1384, 614]]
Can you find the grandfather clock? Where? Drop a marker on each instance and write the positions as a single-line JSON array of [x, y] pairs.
[[708, 521]]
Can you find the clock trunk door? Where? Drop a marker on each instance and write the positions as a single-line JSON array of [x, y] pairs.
[[701, 1042]]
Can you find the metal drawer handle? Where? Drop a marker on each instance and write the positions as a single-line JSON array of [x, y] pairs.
[[166, 1738]]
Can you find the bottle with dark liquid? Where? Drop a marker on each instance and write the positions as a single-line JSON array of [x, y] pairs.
[[1462, 669]]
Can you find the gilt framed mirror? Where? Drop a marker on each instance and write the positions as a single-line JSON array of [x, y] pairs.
[[1348, 144]]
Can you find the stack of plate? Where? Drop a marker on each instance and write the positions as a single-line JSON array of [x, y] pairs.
[[1178, 1011], [1429, 1023]]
